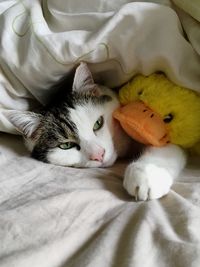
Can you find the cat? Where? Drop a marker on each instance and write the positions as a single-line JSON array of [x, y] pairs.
[[78, 130]]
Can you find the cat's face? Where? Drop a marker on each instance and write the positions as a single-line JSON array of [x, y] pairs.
[[89, 142], [78, 132]]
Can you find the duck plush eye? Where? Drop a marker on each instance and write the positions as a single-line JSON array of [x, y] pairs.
[[67, 145], [98, 124], [140, 92], [168, 118]]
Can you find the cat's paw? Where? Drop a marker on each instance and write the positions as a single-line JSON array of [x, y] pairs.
[[146, 182]]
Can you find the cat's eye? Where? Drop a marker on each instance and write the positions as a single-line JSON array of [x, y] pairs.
[[168, 118], [67, 145], [98, 124]]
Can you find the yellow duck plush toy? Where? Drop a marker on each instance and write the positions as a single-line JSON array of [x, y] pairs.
[[156, 111]]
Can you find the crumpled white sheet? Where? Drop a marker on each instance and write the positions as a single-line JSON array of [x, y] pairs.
[[53, 216], [42, 40]]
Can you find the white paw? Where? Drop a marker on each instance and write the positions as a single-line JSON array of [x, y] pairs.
[[148, 181]]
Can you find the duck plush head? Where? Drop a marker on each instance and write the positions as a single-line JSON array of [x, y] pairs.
[[156, 111]]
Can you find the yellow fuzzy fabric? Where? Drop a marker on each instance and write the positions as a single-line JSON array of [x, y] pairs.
[[165, 98]]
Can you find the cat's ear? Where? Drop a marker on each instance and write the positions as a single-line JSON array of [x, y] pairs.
[[83, 80], [25, 122]]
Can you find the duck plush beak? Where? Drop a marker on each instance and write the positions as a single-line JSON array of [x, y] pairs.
[[142, 124]]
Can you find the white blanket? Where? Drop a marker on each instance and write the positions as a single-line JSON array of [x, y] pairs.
[[42, 40], [53, 216]]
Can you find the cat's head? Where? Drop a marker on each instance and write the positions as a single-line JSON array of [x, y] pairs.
[[77, 131]]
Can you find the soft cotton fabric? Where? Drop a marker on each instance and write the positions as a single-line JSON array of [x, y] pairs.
[[43, 40], [56, 216]]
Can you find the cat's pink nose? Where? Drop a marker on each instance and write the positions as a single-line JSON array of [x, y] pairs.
[[98, 155]]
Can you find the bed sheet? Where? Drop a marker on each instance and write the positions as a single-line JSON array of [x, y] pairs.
[[53, 216]]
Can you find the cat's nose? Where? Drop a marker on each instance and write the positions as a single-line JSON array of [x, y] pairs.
[[98, 155]]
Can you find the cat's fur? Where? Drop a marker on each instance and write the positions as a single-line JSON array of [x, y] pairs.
[[72, 119]]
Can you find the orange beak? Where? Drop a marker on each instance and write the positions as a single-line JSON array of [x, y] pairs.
[[142, 124]]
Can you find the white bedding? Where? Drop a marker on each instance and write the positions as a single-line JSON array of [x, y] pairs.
[[53, 216], [42, 40]]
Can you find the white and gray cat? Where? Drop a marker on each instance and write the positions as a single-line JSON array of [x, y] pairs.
[[79, 131]]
